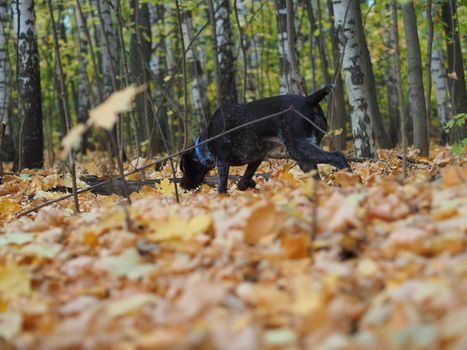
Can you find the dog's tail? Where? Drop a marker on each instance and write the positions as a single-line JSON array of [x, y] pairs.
[[318, 96]]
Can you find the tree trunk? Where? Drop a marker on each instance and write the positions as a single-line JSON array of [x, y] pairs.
[[400, 95], [84, 92], [339, 114], [29, 87], [140, 55], [198, 82], [289, 79], [159, 130], [255, 79], [454, 57], [349, 29], [7, 147], [440, 80], [312, 26], [4, 64], [225, 55], [321, 42], [391, 81], [417, 108], [381, 135], [455, 60], [109, 51]]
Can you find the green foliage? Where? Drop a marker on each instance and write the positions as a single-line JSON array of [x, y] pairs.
[[458, 121]]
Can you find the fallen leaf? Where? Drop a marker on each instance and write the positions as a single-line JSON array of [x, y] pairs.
[[105, 115], [173, 227], [263, 220], [72, 140], [165, 187], [14, 281], [128, 264], [10, 325]]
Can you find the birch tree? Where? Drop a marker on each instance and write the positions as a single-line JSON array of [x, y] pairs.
[[349, 29], [225, 55], [84, 92], [31, 141], [440, 82], [159, 129], [109, 50], [339, 114], [455, 59], [198, 84], [417, 108], [289, 79]]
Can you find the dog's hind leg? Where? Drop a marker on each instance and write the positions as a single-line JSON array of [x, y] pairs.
[[246, 181], [223, 176], [308, 155]]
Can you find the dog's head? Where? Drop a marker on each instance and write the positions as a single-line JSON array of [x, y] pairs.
[[193, 171], [317, 112]]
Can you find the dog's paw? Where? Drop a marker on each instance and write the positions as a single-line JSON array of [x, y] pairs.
[[245, 184]]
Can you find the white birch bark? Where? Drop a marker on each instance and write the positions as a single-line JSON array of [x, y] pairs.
[[287, 81], [225, 54], [440, 81], [83, 82], [31, 141], [108, 46], [198, 82], [349, 31]]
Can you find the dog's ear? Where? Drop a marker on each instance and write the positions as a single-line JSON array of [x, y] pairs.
[[318, 96]]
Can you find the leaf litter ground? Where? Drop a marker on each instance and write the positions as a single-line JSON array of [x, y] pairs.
[[387, 268]]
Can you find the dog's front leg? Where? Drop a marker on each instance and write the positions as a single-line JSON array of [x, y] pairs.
[[246, 181], [223, 176]]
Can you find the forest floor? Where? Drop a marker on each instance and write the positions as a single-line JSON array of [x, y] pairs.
[[379, 263]]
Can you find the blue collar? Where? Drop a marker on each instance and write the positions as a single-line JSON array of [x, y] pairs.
[[206, 162]]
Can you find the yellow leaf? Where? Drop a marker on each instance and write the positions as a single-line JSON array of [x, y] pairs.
[[307, 187], [287, 176], [128, 264], [10, 325], [72, 140], [130, 304], [337, 132], [14, 281], [105, 115], [176, 228], [7, 208], [367, 267], [165, 187]]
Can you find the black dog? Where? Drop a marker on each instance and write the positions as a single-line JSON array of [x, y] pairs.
[[251, 144]]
